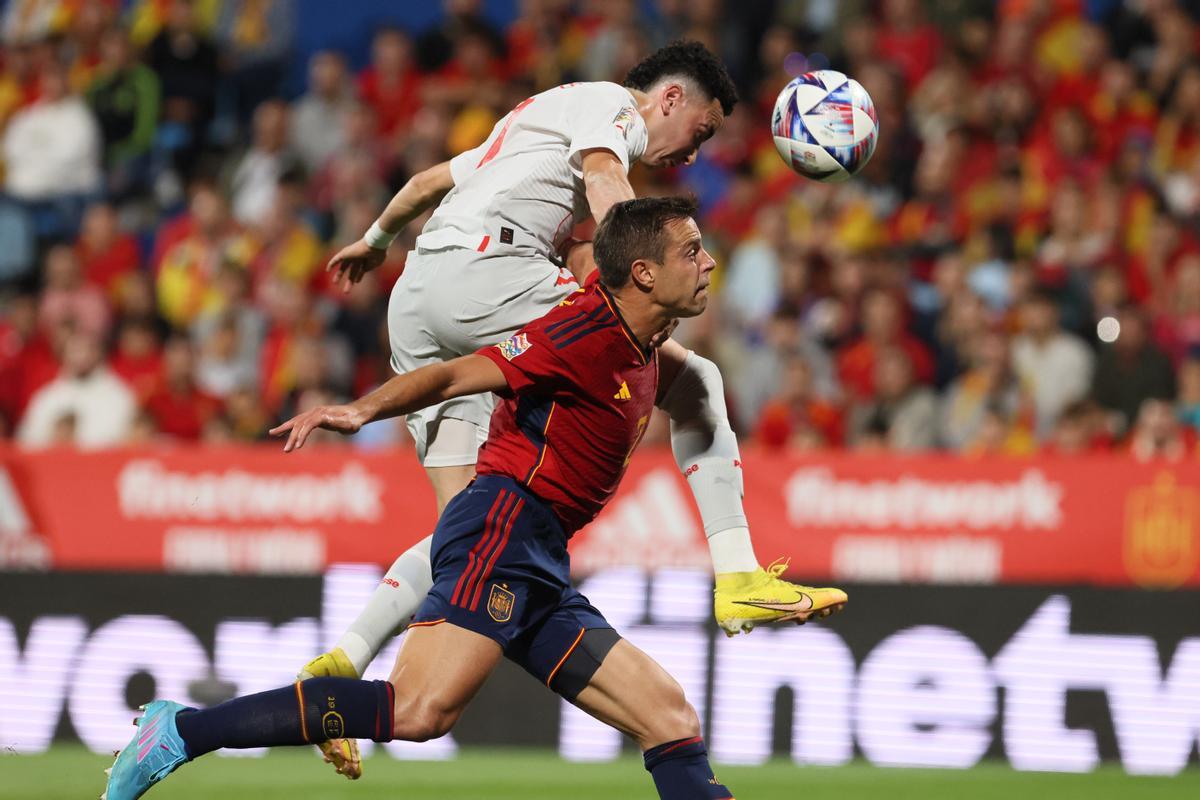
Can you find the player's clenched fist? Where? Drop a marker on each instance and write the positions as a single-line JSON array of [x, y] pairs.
[[354, 261], [343, 419]]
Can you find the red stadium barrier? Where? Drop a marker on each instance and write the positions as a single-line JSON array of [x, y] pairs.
[[1103, 520]]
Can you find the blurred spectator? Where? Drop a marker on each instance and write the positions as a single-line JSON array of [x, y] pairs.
[[1056, 365], [1158, 434], [66, 298], [1177, 328], [186, 274], [797, 417], [52, 156], [390, 85], [436, 46], [1131, 370], [319, 117], [86, 402], [1188, 403], [255, 38], [222, 367], [137, 357], [882, 330], [125, 99], [109, 255], [282, 247], [16, 231], [1080, 429], [178, 407], [989, 387], [255, 181], [1037, 172], [751, 289], [900, 414], [185, 61], [908, 40]]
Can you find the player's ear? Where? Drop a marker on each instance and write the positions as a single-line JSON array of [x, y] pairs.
[[641, 272], [672, 96]]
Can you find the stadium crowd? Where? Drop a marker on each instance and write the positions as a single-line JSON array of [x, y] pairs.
[[170, 200]]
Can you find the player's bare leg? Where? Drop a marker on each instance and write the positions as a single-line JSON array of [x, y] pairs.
[[437, 672], [399, 594], [449, 481], [633, 693]]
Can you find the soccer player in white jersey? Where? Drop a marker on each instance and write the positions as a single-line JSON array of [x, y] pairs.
[[496, 254]]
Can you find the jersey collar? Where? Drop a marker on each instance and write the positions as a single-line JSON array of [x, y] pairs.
[[644, 353]]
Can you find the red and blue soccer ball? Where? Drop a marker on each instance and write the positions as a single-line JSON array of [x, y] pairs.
[[824, 125]]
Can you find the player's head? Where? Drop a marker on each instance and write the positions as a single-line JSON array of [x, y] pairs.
[[692, 94], [652, 246]]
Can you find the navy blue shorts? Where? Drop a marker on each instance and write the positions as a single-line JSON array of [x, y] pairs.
[[501, 569]]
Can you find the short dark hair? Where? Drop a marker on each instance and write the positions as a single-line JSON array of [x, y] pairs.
[[686, 59], [632, 230]]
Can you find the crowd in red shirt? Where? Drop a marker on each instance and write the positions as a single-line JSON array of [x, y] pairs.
[[1016, 270]]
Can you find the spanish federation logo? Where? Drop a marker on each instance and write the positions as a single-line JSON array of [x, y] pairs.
[[511, 348], [1162, 533], [500, 603]]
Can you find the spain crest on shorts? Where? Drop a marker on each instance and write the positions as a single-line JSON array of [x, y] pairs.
[[514, 346], [500, 603]]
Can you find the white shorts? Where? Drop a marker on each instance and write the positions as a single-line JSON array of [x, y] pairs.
[[450, 303]]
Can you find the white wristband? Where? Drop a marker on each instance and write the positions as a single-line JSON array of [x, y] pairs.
[[377, 238]]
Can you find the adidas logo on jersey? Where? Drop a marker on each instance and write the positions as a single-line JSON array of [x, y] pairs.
[[623, 392]]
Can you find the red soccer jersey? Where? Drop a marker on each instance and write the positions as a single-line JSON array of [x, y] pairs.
[[580, 393]]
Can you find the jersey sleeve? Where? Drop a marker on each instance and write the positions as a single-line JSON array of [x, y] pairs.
[[530, 362], [602, 117], [465, 163]]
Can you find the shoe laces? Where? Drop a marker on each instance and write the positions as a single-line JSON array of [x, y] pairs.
[[778, 567]]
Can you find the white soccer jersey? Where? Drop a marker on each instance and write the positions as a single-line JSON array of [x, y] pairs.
[[522, 189]]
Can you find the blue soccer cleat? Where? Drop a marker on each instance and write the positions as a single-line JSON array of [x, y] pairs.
[[154, 753]]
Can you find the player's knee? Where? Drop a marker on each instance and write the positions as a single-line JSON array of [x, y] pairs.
[[674, 719], [419, 720]]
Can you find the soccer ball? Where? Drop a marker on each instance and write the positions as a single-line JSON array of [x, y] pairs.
[[824, 125]]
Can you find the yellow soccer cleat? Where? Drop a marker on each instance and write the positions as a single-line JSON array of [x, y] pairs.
[[742, 600], [342, 753]]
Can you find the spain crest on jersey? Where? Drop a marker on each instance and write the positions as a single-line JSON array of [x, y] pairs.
[[500, 603], [513, 347]]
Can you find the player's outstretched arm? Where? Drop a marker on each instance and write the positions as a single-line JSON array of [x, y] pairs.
[[422, 191], [402, 394]]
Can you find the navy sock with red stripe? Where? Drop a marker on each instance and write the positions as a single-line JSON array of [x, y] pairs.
[[681, 772], [307, 712]]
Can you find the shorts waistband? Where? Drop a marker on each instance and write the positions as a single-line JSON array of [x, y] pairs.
[[532, 501]]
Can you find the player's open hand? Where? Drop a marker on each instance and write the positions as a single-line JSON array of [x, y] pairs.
[[354, 261], [343, 419]]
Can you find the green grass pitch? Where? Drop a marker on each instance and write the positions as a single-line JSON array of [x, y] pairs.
[[71, 772]]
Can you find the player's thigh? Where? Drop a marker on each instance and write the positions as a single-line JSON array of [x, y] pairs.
[[577, 654], [633, 693], [438, 670], [449, 481]]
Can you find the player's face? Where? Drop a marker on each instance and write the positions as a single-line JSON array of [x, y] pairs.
[[681, 284], [690, 122]]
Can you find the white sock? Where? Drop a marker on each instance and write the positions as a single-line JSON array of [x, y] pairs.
[[706, 450], [732, 550], [391, 606]]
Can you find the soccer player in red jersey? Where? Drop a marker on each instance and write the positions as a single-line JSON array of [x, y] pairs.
[[578, 386]]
